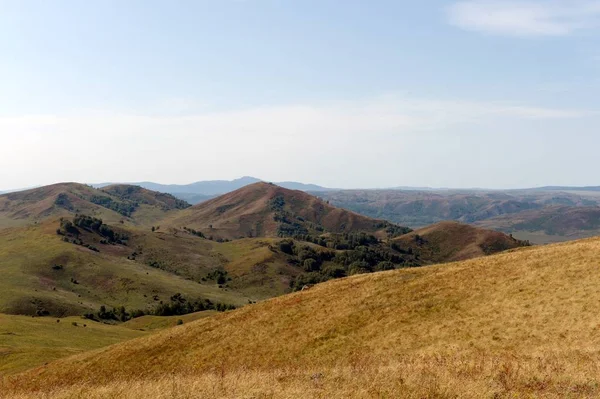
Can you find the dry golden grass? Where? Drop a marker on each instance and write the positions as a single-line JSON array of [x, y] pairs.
[[150, 323], [519, 324], [453, 241]]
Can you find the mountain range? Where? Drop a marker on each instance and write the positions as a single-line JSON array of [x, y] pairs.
[[541, 215], [69, 248], [203, 190]]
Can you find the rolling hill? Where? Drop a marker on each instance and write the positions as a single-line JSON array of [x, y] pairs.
[[555, 223], [267, 210], [453, 241], [44, 274], [518, 324], [27, 342], [112, 204], [67, 267], [496, 210]]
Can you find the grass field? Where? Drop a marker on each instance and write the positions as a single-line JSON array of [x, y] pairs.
[[88, 279], [518, 324], [26, 342], [151, 323]]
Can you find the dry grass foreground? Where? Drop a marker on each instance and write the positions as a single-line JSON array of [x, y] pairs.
[[519, 324]]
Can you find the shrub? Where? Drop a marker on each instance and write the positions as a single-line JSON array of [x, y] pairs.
[[311, 265], [286, 246], [334, 271], [359, 267], [385, 265]]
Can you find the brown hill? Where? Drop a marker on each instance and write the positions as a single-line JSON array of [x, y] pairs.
[[267, 210], [496, 210], [113, 204], [518, 324], [453, 241]]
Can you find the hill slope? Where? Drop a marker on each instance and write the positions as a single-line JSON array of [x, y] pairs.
[[113, 204], [453, 241], [24, 207], [28, 342], [267, 210], [518, 324], [43, 274]]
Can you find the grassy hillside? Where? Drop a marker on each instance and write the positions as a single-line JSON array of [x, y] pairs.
[[30, 206], [453, 241], [42, 273], [267, 210], [46, 273], [120, 203], [151, 323], [518, 324], [27, 342]]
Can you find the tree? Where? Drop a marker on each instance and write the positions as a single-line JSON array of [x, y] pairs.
[[385, 265], [359, 267], [311, 265]]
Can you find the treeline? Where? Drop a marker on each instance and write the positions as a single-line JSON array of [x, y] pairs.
[[178, 305]]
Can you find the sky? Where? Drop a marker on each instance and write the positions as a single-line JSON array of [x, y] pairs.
[[341, 93]]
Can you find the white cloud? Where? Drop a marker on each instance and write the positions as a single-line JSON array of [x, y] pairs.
[[525, 18], [337, 144]]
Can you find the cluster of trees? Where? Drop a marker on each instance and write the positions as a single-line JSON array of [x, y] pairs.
[[177, 305], [393, 230], [277, 203], [194, 232], [71, 233], [124, 208], [219, 275], [66, 227], [320, 265], [135, 195], [62, 200], [290, 226], [96, 225], [155, 263]]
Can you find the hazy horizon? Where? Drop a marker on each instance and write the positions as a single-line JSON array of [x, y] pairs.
[[458, 94], [14, 189]]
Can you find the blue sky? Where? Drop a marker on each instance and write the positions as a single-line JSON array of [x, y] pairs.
[[339, 93]]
